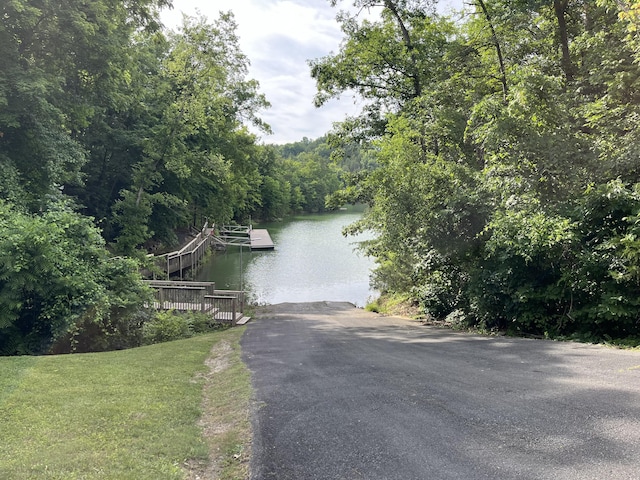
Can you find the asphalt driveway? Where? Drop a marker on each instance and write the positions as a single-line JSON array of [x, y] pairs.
[[346, 394]]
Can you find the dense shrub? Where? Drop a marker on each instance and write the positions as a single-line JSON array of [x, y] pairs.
[[171, 325], [164, 327], [59, 287], [602, 277], [515, 285], [547, 274]]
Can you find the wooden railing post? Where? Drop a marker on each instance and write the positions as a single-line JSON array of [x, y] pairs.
[[233, 312]]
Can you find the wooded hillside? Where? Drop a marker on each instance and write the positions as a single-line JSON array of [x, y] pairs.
[[498, 151], [508, 144]]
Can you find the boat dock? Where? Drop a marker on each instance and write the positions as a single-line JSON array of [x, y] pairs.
[[192, 254], [260, 240], [242, 235]]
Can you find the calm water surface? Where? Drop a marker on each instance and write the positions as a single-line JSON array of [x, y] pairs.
[[312, 261]]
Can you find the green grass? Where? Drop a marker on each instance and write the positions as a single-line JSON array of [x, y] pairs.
[[131, 414], [394, 304], [226, 411]]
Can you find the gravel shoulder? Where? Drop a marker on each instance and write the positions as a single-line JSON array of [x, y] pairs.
[[341, 393]]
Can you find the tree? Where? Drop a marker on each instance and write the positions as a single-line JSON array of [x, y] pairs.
[[56, 279], [505, 192], [202, 97], [61, 62]]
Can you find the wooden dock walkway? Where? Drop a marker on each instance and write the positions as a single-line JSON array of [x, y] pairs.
[[190, 256], [242, 235], [261, 240]]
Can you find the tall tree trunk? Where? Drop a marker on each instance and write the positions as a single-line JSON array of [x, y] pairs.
[[496, 44], [406, 37], [560, 8]]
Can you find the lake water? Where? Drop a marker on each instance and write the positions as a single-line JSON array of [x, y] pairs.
[[312, 261]]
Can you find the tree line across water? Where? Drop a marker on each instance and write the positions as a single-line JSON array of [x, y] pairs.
[[498, 152]]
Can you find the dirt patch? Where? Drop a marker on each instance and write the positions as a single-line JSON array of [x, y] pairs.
[[219, 358], [217, 362], [406, 309], [402, 308]]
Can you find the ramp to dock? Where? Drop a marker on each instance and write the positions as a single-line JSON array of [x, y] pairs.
[[260, 239]]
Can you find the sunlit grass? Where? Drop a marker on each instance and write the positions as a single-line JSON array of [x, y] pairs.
[[130, 414], [394, 305]]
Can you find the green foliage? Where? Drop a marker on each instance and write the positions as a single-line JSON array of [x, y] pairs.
[[505, 193], [498, 155], [306, 145], [372, 307], [418, 206], [164, 327], [194, 159], [297, 177], [145, 128], [56, 276], [516, 286], [63, 62], [606, 287], [170, 325], [107, 119]]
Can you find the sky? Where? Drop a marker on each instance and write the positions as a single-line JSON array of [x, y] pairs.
[[279, 37]]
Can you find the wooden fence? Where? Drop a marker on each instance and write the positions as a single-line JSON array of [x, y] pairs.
[[226, 306]]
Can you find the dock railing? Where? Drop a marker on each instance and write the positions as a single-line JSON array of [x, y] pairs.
[[235, 229], [182, 296], [210, 287], [226, 306], [188, 257], [235, 234]]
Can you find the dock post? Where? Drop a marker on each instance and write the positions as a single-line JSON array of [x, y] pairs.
[[234, 318]]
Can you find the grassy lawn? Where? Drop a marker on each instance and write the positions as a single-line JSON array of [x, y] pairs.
[[167, 411]]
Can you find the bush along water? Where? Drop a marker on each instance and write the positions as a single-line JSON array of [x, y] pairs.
[[171, 325], [537, 273]]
